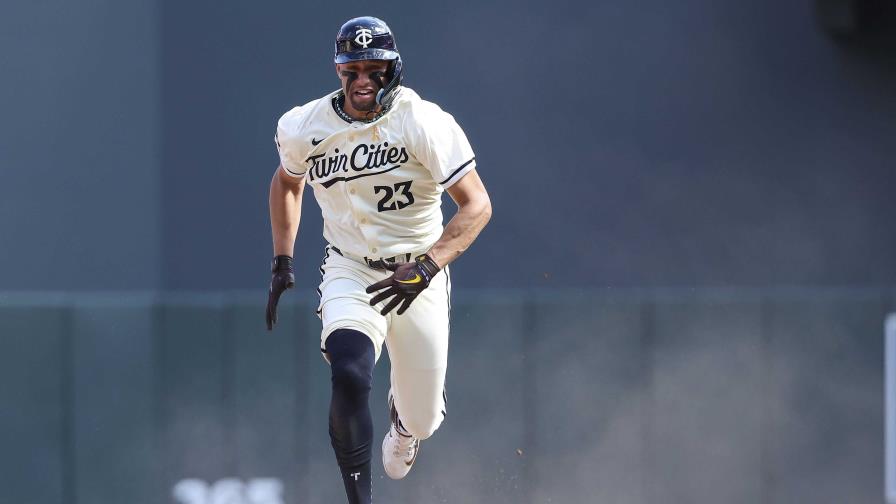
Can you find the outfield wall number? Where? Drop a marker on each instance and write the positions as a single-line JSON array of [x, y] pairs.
[[229, 491]]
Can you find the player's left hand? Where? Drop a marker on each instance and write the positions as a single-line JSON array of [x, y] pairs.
[[405, 284]]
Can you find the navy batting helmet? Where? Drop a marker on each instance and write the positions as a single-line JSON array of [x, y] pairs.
[[369, 38]]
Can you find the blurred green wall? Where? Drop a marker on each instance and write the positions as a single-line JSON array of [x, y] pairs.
[[679, 396]]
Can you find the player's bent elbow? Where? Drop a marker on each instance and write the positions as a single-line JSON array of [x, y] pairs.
[[487, 211]]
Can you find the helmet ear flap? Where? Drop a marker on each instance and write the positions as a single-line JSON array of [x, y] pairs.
[[386, 94]]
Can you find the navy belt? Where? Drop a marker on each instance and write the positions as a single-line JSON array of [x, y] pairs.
[[380, 263]]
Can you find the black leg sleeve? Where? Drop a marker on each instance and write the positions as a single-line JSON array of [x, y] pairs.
[[351, 356]]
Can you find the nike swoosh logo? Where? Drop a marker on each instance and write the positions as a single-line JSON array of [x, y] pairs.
[[315, 141], [415, 280], [416, 451]]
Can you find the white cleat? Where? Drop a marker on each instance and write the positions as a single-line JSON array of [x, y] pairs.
[[399, 448]]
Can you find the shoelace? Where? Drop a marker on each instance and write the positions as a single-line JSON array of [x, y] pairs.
[[412, 445]]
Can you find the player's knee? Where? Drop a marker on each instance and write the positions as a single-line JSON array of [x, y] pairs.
[[351, 361], [350, 377], [422, 427]]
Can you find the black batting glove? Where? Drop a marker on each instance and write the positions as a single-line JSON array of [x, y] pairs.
[[282, 278], [405, 284]]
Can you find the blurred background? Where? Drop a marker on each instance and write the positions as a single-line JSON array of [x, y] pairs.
[[680, 297]]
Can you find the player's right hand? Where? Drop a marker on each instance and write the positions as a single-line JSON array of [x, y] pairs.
[[282, 278], [405, 284]]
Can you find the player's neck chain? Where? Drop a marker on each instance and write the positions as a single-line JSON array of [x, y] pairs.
[[339, 103]]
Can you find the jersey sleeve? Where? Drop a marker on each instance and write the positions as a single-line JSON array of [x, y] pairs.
[[439, 144], [292, 150]]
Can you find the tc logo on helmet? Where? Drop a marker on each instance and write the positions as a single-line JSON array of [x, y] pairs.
[[363, 37]]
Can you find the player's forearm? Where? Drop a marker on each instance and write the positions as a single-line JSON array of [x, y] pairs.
[[461, 230], [285, 203]]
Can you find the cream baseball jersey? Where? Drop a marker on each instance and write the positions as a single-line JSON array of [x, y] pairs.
[[378, 184]]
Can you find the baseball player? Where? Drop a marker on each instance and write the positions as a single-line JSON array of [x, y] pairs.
[[378, 158]]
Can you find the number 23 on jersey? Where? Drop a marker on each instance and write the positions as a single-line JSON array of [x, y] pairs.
[[394, 197]]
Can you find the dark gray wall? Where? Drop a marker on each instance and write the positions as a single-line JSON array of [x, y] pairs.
[[79, 145], [674, 396], [624, 144], [703, 143]]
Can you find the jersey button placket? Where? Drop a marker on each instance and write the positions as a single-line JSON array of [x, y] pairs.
[[354, 204]]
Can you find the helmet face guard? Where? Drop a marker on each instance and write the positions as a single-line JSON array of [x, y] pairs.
[[369, 38]]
